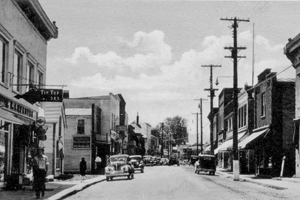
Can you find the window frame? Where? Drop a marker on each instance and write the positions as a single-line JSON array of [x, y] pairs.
[[30, 73], [77, 126], [40, 79], [263, 104], [4, 59], [17, 71]]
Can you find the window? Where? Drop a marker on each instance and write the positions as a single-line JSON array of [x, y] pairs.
[[263, 104], [30, 74], [40, 79], [245, 115], [80, 126], [3, 49], [17, 71]]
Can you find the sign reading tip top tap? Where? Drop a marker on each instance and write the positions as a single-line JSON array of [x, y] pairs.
[[35, 95], [55, 95]]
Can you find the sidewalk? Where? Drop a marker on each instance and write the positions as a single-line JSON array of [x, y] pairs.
[[276, 183], [54, 190], [62, 189]]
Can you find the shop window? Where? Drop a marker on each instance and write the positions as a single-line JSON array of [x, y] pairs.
[[80, 126]]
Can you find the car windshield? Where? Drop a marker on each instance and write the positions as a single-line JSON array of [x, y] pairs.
[[121, 159]]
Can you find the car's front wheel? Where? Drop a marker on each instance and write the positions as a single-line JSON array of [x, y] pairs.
[[142, 170], [107, 178]]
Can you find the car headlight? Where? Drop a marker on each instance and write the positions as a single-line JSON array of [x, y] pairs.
[[109, 168], [124, 169]]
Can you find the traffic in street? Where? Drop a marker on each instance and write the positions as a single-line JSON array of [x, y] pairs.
[[179, 182]]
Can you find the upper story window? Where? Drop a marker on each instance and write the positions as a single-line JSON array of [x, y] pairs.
[[229, 124], [263, 104], [40, 79], [3, 53], [80, 126], [30, 74], [17, 71], [243, 116]]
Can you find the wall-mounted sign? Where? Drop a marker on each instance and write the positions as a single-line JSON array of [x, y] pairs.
[[35, 95], [40, 121], [51, 95], [121, 128], [82, 142]]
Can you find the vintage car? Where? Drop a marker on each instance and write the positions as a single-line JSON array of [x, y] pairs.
[[137, 162], [164, 161], [148, 161], [205, 163], [118, 166]]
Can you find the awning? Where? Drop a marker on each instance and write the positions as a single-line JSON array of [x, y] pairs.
[[227, 145], [8, 116], [255, 135]]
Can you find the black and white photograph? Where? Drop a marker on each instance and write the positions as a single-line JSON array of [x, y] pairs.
[[149, 99]]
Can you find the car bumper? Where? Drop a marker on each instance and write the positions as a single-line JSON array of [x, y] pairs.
[[116, 174]]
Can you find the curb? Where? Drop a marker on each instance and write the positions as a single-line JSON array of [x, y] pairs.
[[73, 190], [251, 181]]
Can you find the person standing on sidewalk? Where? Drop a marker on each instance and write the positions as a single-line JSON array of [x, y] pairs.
[[82, 168], [40, 169], [98, 163]]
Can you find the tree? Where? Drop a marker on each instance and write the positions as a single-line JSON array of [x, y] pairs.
[[175, 126]]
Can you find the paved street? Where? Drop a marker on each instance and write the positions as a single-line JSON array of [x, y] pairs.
[[172, 182]]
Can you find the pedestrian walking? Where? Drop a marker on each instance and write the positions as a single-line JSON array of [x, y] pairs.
[[82, 168], [40, 169], [98, 163]]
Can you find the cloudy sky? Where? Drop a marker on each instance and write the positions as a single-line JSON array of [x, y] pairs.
[[152, 51]]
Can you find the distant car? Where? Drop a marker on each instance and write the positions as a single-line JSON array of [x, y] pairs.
[[164, 161], [119, 166], [148, 161], [137, 163]]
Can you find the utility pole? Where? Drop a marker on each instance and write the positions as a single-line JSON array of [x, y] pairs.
[[201, 127], [234, 56], [162, 140], [212, 95], [197, 133]]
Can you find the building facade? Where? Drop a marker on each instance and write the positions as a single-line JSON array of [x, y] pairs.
[[97, 120], [56, 123], [292, 52], [272, 136], [22, 64]]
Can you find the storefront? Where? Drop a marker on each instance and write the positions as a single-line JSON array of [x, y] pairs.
[[16, 137]]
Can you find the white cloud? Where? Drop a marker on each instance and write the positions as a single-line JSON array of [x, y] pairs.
[[152, 53], [264, 42]]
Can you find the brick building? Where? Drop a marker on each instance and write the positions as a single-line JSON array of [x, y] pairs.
[[292, 51], [272, 136]]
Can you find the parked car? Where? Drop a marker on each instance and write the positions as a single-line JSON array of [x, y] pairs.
[[137, 163], [164, 161], [205, 163], [174, 159], [148, 161], [118, 166]]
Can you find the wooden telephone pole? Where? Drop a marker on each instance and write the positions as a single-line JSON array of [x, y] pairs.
[[197, 133], [234, 56], [212, 95], [201, 127]]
